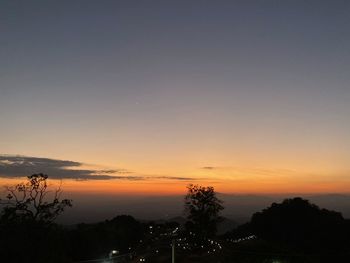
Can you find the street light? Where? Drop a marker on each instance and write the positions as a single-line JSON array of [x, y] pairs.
[[113, 253]]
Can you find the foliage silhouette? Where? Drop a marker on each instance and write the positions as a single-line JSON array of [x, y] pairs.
[[301, 224], [202, 208], [27, 229], [30, 201]]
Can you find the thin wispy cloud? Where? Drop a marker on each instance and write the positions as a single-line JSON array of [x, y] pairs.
[[208, 168], [175, 178]]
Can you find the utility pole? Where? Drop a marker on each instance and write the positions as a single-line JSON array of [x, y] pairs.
[[173, 251], [174, 234]]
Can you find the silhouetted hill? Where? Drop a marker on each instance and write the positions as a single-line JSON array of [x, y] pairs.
[[237, 207], [300, 224], [226, 225]]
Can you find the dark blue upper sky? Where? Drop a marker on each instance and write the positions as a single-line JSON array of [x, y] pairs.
[[181, 83]]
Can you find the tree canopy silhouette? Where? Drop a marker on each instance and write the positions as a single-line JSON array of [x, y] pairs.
[[298, 222], [33, 201], [27, 222], [202, 208]]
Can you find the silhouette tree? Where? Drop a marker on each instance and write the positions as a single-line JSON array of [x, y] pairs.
[[202, 209], [31, 201], [27, 229]]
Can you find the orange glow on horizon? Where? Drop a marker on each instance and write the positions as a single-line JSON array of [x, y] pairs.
[[169, 187]]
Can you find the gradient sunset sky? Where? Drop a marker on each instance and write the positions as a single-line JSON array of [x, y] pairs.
[[135, 97]]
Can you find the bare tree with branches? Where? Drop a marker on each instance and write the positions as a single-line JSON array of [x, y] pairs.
[[33, 201]]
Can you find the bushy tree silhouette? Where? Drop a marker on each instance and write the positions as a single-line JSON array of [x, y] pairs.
[[202, 208]]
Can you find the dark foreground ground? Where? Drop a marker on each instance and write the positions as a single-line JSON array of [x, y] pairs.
[[247, 251]]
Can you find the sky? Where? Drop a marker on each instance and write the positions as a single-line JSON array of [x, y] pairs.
[[145, 97]]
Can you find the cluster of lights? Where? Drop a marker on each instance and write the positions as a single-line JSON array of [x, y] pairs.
[[152, 230], [171, 233], [215, 246], [210, 245], [242, 239]]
